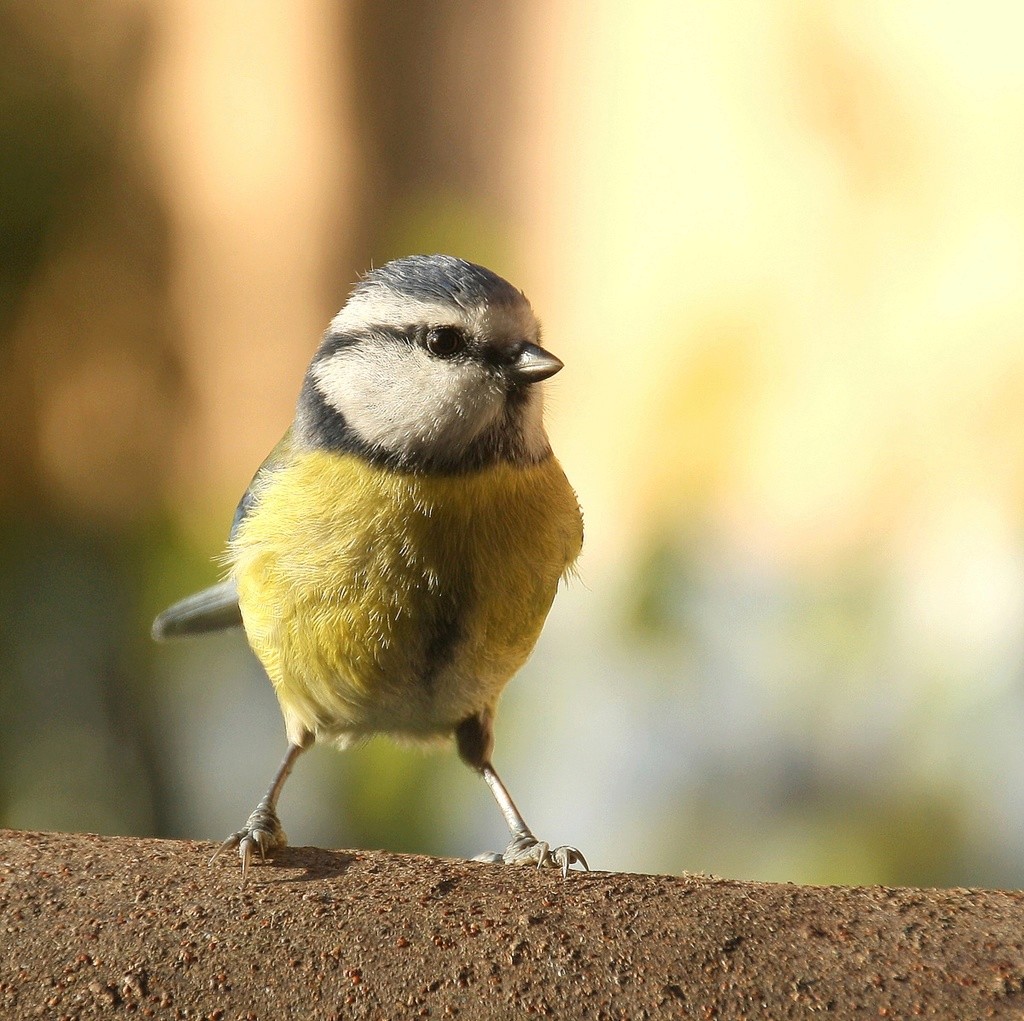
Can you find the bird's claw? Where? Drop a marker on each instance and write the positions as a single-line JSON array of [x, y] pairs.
[[528, 850], [565, 856], [262, 834]]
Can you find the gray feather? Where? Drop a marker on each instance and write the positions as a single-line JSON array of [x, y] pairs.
[[279, 457], [213, 609], [216, 608]]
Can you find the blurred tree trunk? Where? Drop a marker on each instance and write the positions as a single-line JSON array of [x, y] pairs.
[[436, 106]]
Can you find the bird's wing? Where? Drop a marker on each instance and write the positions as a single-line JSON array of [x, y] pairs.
[[216, 608], [279, 457]]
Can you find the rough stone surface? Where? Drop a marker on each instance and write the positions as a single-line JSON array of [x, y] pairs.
[[102, 927]]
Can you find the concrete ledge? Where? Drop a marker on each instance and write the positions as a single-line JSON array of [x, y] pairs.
[[106, 926]]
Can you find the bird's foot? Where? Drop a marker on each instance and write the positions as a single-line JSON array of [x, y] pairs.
[[262, 834], [526, 849]]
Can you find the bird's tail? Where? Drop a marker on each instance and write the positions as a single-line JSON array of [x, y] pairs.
[[213, 609]]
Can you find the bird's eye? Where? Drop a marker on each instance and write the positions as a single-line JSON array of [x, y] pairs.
[[444, 341]]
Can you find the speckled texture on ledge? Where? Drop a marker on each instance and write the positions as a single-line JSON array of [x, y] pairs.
[[107, 926]]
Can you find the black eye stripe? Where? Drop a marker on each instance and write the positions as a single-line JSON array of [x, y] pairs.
[[375, 334]]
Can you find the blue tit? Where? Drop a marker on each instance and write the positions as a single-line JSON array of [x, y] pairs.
[[395, 557]]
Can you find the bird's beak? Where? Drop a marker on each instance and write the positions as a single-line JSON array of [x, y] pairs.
[[533, 364]]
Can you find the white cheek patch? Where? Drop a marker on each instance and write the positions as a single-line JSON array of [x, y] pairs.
[[534, 436], [401, 398]]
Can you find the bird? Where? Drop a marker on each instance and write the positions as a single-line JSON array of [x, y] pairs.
[[394, 558]]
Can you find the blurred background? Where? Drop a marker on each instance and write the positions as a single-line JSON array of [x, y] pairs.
[[780, 247]]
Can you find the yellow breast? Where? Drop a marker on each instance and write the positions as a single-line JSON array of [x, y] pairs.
[[383, 601]]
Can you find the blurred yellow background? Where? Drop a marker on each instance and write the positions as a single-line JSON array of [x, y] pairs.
[[780, 247]]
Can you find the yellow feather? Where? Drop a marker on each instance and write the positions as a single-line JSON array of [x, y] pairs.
[[386, 601]]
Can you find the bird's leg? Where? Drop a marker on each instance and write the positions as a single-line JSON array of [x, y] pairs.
[[263, 831], [524, 848], [474, 739]]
